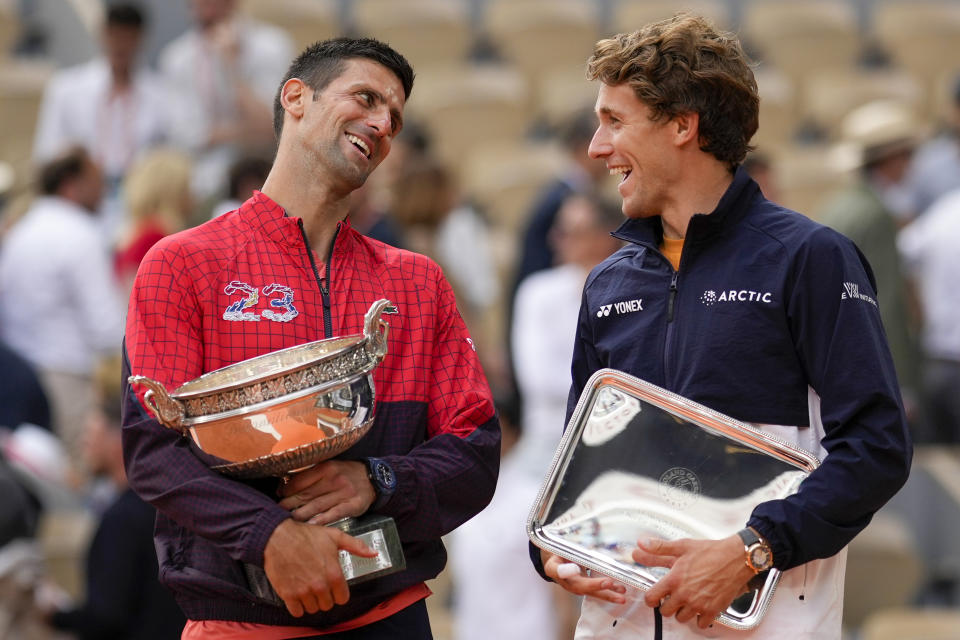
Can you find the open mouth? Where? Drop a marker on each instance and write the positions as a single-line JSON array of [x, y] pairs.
[[623, 171], [359, 144]]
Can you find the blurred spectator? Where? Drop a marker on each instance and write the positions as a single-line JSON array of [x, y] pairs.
[[124, 597], [32, 471], [929, 246], [59, 307], [246, 175], [494, 594], [545, 322], [370, 204], [158, 198], [760, 168], [22, 398], [110, 105], [227, 69], [21, 562], [586, 174], [435, 222], [935, 169], [878, 140]]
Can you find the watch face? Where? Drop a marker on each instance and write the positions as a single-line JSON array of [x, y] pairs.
[[385, 475], [760, 557]]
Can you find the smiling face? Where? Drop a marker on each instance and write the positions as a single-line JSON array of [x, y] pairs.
[[346, 129], [643, 151]]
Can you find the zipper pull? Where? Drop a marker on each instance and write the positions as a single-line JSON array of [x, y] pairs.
[[673, 295]]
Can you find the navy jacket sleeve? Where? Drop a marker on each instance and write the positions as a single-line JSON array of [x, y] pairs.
[[833, 317]]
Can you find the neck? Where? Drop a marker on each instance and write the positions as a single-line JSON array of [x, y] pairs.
[[122, 78], [304, 196], [699, 191]]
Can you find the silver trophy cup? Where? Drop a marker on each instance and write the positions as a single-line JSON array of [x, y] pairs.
[[282, 412]]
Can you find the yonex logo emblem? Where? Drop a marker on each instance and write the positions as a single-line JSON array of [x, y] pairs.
[[622, 307]]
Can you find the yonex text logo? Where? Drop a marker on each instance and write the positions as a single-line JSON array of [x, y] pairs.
[[622, 307]]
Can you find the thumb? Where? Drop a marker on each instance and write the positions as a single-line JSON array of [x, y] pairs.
[[356, 546], [660, 546]]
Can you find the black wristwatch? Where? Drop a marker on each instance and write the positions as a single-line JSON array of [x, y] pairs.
[[759, 556], [383, 479]]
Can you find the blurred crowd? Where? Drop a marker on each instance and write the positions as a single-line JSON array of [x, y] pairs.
[[130, 146]]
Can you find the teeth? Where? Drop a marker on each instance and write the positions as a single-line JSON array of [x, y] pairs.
[[360, 143], [619, 170]]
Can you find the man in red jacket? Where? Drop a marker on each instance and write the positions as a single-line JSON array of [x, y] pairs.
[[430, 460]]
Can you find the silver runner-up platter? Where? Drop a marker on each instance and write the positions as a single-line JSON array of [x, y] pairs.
[[637, 461], [282, 412]]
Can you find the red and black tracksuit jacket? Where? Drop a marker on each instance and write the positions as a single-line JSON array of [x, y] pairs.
[[245, 284]]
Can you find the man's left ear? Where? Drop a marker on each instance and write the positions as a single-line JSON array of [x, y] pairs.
[[687, 127]]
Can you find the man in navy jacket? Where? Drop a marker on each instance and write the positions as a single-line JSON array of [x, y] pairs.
[[744, 306]]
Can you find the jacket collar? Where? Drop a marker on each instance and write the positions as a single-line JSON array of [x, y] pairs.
[[262, 213], [727, 213]]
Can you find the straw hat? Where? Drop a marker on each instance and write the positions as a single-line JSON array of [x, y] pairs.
[[875, 131]]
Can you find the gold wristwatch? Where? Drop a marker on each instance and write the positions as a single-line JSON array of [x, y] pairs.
[[759, 557]]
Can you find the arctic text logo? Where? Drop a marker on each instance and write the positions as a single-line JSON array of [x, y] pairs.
[[711, 297]]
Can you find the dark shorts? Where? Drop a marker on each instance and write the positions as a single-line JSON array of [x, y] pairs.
[[411, 623]]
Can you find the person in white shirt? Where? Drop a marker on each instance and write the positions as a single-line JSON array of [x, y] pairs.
[[928, 246], [546, 309], [59, 307], [110, 105], [226, 70]]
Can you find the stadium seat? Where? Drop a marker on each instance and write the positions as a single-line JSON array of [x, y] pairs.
[[830, 94], [307, 21], [912, 623], [462, 106], [427, 32], [884, 569], [801, 37], [921, 36], [542, 35], [630, 15]]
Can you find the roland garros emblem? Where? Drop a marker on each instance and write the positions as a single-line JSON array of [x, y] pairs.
[[680, 487]]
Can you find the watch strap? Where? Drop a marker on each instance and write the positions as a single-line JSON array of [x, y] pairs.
[[749, 536]]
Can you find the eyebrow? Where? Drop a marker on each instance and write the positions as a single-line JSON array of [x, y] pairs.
[[378, 97], [607, 111]]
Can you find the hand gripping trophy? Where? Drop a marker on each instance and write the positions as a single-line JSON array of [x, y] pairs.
[[282, 412]]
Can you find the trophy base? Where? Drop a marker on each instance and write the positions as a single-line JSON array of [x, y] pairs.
[[377, 532]]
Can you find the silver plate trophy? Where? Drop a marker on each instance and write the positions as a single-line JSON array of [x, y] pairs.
[[639, 461], [282, 412]]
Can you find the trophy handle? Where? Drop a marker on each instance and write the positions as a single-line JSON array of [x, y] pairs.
[[375, 329], [168, 411]]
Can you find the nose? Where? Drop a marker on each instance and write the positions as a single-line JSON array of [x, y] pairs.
[[381, 121], [599, 144]]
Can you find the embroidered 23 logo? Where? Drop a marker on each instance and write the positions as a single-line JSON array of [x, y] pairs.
[[238, 311]]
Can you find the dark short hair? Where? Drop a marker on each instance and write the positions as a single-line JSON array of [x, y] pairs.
[[67, 166], [320, 63], [125, 15], [685, 65]]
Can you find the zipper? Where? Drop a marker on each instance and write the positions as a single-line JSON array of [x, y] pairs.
[[673, 296], [322, 283]]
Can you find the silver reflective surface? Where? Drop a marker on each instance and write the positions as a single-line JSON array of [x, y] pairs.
[[638, 461]]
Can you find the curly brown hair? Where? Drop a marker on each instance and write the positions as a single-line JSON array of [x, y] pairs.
[[685, 65]]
